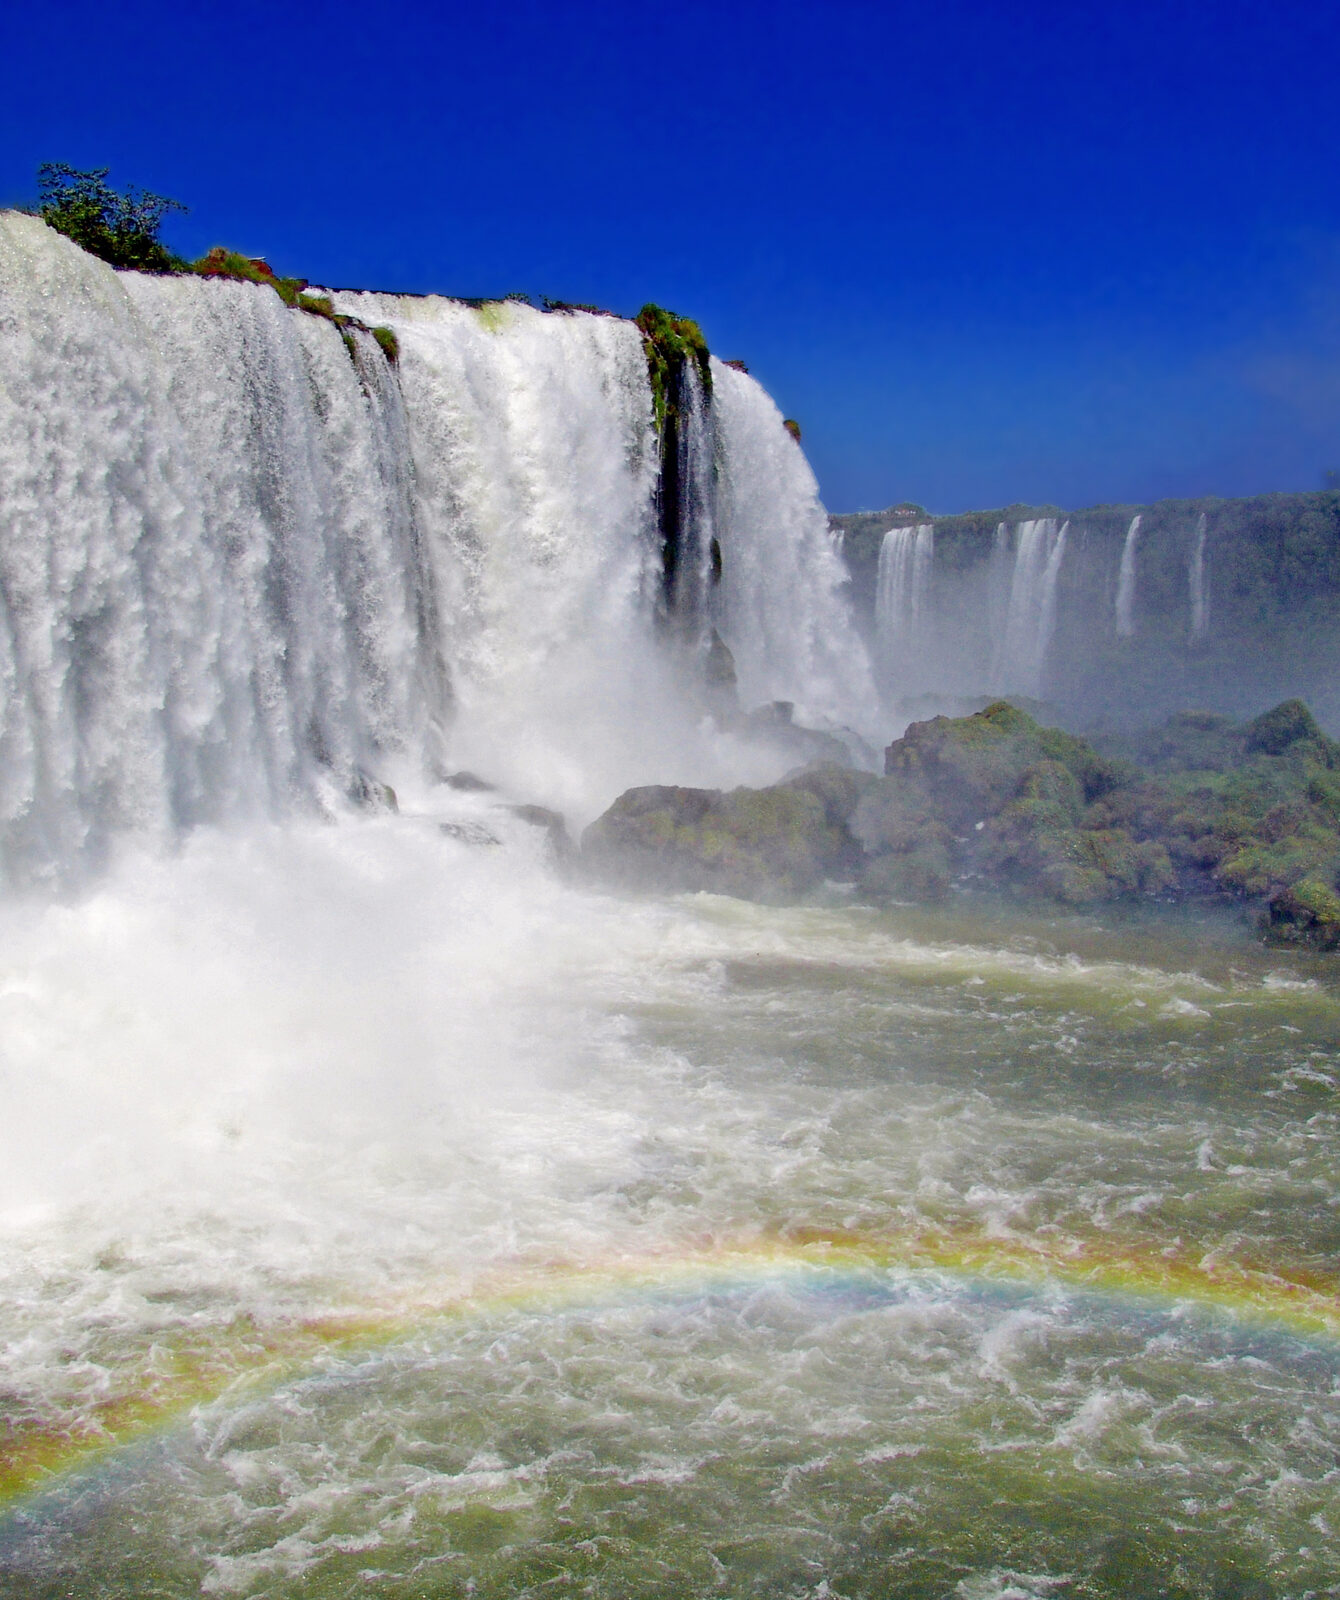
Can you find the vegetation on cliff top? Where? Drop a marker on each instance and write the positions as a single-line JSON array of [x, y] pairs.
[[221, 263], [120, 227], [671, 342]]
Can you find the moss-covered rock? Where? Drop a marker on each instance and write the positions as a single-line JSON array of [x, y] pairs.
[[1307, 912], [974, 765], [994, 800], [923, 872], [756, 843], [671, 343], [1248, 812], [1273, 732]]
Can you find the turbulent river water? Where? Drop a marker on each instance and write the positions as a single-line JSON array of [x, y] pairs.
[[423, 1225], [386, 1211]]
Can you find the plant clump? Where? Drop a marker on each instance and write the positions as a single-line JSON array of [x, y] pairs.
[[118, 227], [223, 263], [671, 342]]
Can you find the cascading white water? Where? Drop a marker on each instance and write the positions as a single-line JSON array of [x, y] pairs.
[[697, 474], [212, 603], [1200, 594], [1030, 607], [535, 460], [240, 569], [782, 610], [902, 600], [1125, 610]]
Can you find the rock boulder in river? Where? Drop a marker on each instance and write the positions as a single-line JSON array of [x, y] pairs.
[[756, 843], [1200, 807]]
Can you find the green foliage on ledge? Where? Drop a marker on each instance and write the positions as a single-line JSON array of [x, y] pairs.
[[222, 263], [119, 228], [670, 343]]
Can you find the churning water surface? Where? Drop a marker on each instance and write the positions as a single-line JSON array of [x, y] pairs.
[[384, 1216]]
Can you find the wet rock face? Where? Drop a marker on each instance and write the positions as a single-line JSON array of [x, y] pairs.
[[561, 849], [1247, 812], [973, 766], [757, 843]]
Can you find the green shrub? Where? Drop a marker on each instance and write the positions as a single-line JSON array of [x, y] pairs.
[[390, 345], [119, 228]]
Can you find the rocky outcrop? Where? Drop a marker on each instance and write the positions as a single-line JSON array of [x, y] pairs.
[[760, 844], [1199, 807]]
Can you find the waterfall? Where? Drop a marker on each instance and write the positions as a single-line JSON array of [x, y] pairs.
[[242, 567], [212, 591], [1200, 595], [781, 603], [535, 464], [1030, 606], [1126, 582], [902, 598]]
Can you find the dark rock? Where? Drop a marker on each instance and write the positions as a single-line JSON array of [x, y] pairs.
[[718, 669], [371, 793], [561, 847], [1308, 912], [756, 843], [468, 783], [775, 724]]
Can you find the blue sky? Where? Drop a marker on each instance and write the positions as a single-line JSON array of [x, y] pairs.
[[984, 253]]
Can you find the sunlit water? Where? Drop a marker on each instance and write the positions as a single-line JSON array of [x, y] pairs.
[[385, 1216]]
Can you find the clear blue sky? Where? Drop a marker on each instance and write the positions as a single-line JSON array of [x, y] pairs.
[[983, 252]]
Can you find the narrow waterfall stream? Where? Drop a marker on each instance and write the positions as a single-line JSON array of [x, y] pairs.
[[384, 1211]]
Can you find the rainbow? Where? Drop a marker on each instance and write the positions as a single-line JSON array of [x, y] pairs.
[[244, 1357]]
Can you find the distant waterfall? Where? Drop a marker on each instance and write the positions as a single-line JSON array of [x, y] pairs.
[[1030, 606], [241, 566], [1200, 594], [1126, 582], [902, 599]]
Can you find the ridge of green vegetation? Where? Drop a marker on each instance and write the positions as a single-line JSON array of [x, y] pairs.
[[223, 263], [121, 228]]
